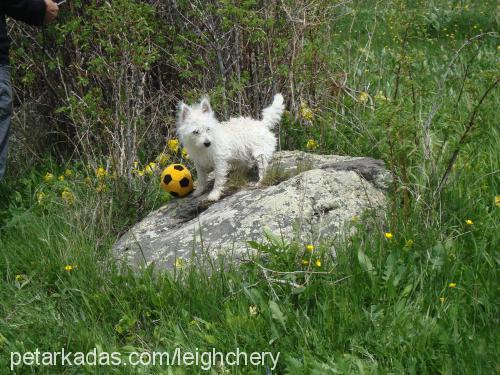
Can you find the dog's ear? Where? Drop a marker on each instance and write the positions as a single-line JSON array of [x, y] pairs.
[[184, 111], [205, 105]]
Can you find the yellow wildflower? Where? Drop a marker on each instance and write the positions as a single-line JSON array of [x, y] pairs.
[[68, 197], [253, 309], [381, 97], [185, 154], [408, 244], [40, 196], [469, 222], [310, 248], [318, 263], [61, 178], [19, 278], [179, 263], [101, 172], [150, 168], [306, 112], [68, 173], [162, 159], [48, 177], [305, 262], [88, 181], [497, 200], [355, 219], [363, 97], [452, 285], [312, 144], [173, 145], [388, 235], [69, 268], [442, 299]]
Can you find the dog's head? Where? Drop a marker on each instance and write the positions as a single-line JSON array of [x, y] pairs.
[[195, 124]]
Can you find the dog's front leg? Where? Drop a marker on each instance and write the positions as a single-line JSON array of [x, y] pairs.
[[201, 184], [220, 173]]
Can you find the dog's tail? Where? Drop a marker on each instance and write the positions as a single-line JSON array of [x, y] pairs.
[[272, 114]]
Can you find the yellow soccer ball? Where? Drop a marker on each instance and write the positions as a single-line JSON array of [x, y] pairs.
[[177, 180]]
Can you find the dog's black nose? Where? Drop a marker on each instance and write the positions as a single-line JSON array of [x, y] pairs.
[[207, 144]]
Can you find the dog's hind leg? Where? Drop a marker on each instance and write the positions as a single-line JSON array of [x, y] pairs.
[[262, 164]]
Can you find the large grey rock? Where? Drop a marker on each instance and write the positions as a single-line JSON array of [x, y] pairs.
[[319, 195]]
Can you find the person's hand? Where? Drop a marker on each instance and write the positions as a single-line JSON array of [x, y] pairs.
[[51, 12]]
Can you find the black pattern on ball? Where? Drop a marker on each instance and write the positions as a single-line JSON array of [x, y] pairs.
[[179, 167], [174, 194], [184, 182], [167, 179]]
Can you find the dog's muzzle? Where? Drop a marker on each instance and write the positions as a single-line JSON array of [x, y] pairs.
[[207, 144]]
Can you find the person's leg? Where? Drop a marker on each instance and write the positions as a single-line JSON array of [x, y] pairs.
[[5, 113]]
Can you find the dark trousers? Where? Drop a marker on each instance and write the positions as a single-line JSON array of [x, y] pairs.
[[5, 114]]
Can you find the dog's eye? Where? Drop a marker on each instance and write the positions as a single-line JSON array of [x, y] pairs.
[[208, 129], [196, 132]]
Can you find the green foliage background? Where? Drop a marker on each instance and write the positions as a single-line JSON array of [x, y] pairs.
[[414, 83]]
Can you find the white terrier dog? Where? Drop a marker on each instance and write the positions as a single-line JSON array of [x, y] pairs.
[[216, 146]]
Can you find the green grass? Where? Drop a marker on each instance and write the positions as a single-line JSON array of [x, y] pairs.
[[381, 306]]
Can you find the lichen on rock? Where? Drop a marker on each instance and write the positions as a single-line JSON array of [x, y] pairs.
[[315, 202]]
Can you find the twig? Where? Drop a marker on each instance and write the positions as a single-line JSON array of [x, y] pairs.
[[287, 282], [264, 272], [469, 127], [240, 290]]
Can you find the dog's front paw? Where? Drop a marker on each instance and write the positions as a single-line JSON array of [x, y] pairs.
[[198, 192], [214, 196]]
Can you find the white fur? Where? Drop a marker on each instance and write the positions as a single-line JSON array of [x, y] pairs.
[[240, 141]]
